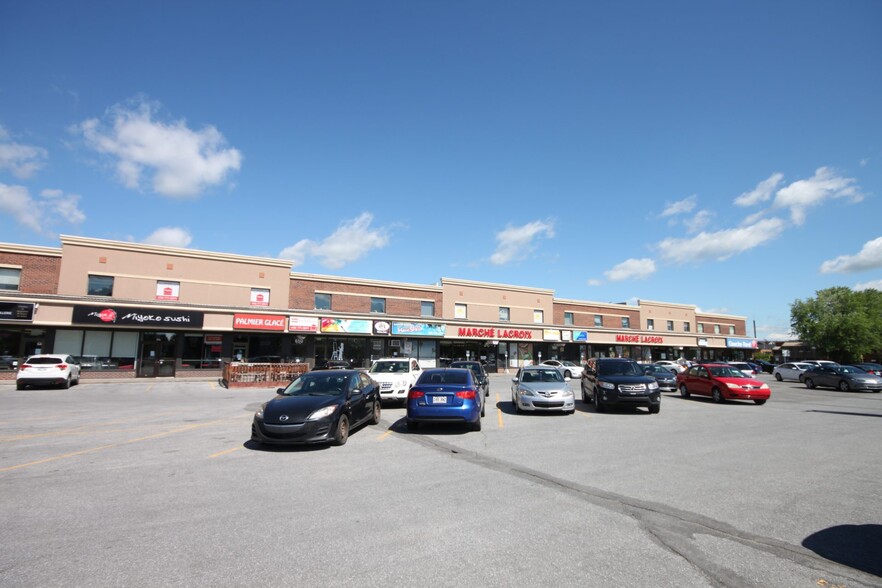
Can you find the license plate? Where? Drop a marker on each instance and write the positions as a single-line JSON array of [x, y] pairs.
[[439, 400]]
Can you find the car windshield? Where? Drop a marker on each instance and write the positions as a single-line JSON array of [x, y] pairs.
[[620, 368], [444, 377], [43, 360], [475, 367], [541, 376], [389, 367], [848, 370], [727, 372], [311, 384]]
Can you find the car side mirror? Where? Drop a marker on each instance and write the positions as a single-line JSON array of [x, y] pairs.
[[279, 391], [515, 380]]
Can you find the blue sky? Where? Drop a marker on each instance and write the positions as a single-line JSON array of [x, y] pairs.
[[723, 154]]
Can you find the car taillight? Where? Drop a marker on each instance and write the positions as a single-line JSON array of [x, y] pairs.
[[62, 366], [415, 394], [23, 367], [467, 394]]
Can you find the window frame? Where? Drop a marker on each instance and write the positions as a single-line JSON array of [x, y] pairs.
[[91, 290], [650, 324], [378, 305], [323, 295], [427, 304], [626, 322], [569, 319], [13, 272]]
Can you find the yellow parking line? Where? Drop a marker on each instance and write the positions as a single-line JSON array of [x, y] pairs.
[[384, 435], [102, 447], [499, 412], [224, 452]]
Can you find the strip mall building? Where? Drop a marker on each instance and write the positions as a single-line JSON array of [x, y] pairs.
[[132, 310]]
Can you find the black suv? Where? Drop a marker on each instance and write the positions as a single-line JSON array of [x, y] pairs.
[[609, 381], [478, 372]]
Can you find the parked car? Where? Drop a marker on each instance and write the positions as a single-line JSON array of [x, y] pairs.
[[332, 364], [482, 379], [743, 367], [665, 378], [49, 369], [396, 376], [541, 388], [869, 367], [318, 407], [764, 365], [610, 381], [567, 368], [819, 362], [791, 371], [445, 395], [721, 381], [843, 377], [8, 362], [671, 365]]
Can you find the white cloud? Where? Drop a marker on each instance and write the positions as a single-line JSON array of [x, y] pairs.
[[182, 162], [824, 185], [870, 257], [22, 160], [873, 285], [516, 243], [631, 269], [594, 282], [680, 206], [170, 237], [865, 161], [698, 222], [720, 245], [351, 241], [762, 192], [41, 214]]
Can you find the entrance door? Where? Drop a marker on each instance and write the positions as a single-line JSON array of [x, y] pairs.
[[157, 356]]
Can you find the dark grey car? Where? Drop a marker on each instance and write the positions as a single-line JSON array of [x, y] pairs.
[[843, 377], [614, 381], [478, 372], [666, 379]]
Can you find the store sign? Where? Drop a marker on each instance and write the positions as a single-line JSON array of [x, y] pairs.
[[214, 339], [551, 335], [137, 317], [639, 339], [382, 328], [259, 322], [16, 311], [491, 333], [702, 342], [168, 291], [742, 343], [580, 336], [418, 329], [260, 297], [348, 326], [302, 324]]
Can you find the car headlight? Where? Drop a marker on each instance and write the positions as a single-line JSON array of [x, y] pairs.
[[527, 392], [606, 385], [652, 385], [764, 387], [731, 385], [259, 414], [322, 413], [567, 392]]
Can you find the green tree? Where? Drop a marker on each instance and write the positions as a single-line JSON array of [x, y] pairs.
[[840, 323]]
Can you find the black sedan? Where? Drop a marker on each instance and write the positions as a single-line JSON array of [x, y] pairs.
[[318, 407], [667, 380], [481, 377]]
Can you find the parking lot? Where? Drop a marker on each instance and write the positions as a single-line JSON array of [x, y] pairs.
[[151, 482]]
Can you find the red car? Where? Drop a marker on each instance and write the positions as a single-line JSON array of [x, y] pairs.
[[721, 382]]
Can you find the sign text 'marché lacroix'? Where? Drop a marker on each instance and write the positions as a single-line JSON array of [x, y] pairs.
[[492, 333]]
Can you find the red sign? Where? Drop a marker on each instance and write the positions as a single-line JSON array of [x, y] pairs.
[[259, 322], [492, 333], [639, 339]]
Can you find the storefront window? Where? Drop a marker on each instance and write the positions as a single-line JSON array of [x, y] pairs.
[[98, 350], [201, 351]]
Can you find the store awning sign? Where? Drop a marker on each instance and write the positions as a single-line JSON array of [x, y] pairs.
[[259, 322], [741, 343], [348, 326], [136, 317], [16, 311], [418, 329], [302, 324]]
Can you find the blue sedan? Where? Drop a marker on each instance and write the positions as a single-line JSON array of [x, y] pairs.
[[445, 395]]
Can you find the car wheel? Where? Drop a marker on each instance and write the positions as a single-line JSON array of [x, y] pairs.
[[599, 406], [759, 402], [683, 391], [483, 409], [655, 409], [412, 425], [809, 383], [375, 416], [20, 386], [341, 433], [717, 395], [517, 407], [476, 426], [844, 387], [778, 377], [65, 384]]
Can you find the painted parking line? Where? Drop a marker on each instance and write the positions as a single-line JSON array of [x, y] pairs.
[[224, 452], [499, 413], [110, 446], [385, 435]]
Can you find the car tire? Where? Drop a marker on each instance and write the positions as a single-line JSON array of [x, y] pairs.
[[341, 432], [779, 377], [20, 386], [684, 392], [375, 413], [514, 402], [809, 383], [476, 426], [65, 384], [717, 395], [483, 408], [655, 409], [412, 425], [759, 402], [599, 406], [844, 387]]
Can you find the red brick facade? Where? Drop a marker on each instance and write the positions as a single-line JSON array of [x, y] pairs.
[[39, 273]]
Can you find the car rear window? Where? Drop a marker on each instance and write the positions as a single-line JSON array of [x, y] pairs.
[[43, 360], [454, 377]]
